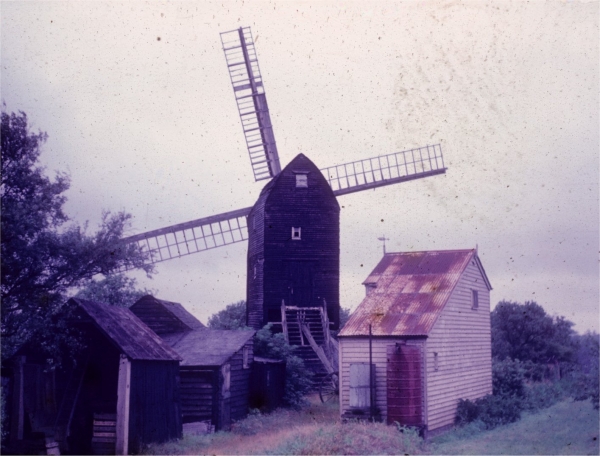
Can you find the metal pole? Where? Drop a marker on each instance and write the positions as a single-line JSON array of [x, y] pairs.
[[371, 372]]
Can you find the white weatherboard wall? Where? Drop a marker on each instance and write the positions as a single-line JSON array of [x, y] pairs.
[[461, 337], [356, 350]]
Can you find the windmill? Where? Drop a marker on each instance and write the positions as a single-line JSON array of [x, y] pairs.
[[293, 229]]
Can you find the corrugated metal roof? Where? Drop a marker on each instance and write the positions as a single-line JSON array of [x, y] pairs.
[[208, 347], [410, 290], [127, 331]]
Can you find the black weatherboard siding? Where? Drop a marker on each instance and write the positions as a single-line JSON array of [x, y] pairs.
[[293, 245]]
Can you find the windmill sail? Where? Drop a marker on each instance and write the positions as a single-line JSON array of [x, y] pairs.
[[195, 236], [249, 92], [231, 227], [385, 170]]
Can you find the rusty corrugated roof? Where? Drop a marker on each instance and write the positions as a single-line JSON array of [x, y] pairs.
[[410, 290]]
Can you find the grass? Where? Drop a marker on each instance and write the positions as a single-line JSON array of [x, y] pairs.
[[565, 428]]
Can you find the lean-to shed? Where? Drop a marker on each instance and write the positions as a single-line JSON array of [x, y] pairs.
[[215, 374], [429, 316], [122, 393], [215, 367]]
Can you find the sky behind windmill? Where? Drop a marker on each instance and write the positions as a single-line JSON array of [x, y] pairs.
[[138, 106]]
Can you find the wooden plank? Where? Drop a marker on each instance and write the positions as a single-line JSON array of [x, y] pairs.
[[123, 395]]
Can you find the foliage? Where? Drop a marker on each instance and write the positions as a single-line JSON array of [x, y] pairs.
[[3, 416], [344, 316], [298, 378], [491, 410], [508, 378], [525, 332], [231, 317], [352, 438], [115, 289], [541, 395], [44, 258], [585, 379], [565, 428]]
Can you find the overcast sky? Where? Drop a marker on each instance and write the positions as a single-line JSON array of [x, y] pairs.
[[137, 103]]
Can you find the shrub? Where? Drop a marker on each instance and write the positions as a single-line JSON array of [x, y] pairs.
[[298, 380], [542, 395], [498, 410], [491, 410], [466, 412], [508, 378]]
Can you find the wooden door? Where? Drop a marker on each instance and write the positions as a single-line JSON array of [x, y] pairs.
[[404, 385], [300, 283]]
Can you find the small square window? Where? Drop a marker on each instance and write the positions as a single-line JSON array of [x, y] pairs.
[[302, 180], [475, 300], [296, 235]]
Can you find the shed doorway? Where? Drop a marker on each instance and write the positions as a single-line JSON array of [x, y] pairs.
[[404, 385]]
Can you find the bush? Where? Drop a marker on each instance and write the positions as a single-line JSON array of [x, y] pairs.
[[499, 410], [542, 395], [466, 412], [491, 410], [298, 380], [508, 378]]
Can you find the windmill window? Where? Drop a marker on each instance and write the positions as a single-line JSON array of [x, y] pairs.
[[301, 180], [296, 233], [474, 299]]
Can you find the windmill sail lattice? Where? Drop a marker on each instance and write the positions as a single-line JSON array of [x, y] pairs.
[[249, 91], [194, 236], [230, 227], [385, 170]]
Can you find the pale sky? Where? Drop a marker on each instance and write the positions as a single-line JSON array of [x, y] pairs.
[[150, 126]]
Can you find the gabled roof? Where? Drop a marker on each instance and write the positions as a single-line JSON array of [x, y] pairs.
[[164, 316], [208, 347], [125, 330], [409, 292], [299, 164]]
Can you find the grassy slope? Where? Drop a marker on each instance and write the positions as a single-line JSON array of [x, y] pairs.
[[565, 428]]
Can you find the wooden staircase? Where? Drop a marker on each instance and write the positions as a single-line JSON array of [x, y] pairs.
[[307, 329]]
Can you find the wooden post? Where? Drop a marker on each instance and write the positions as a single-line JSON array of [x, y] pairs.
[[18, 410], [318, 350], [123, 395], [284, 321]]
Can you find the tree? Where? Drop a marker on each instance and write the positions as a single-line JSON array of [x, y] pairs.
[[231, 317], [115, 289], [525, 332], [44, 258]]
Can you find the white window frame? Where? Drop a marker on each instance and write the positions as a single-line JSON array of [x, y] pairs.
[[301, 180], [474, 299], [296, 233]]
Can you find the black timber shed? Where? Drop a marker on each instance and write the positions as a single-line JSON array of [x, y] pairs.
[[293, 246], [215, 374], [122, 392]]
